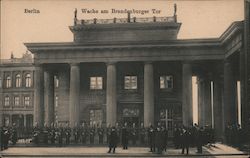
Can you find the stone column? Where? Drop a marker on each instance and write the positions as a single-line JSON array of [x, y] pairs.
[[38, 96], [148, 94], [24, 120], [230, 105], [111, 106], [207, 103], [218, 115], [49, 97], [74, 95], [201, 108], [187, 108]]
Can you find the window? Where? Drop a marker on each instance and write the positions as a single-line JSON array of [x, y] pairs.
[[56, 101], [95, 117], [7, 101], [95, 82], [56, 80], [27, 80], [18, 80], [27, 101], [130, 82], [16, 101], [166, 82], [8, 82]]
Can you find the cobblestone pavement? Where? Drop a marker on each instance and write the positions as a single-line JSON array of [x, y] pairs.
[[217, 151]]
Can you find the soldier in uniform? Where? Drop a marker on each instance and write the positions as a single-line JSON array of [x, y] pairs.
[[14, 134], [113, 140], [6, 137], [76, 133], [134, 134], [118, 131], [108, 132], [100, 132], [60, 134], [67, 132], [36, 133], [92, 134], [151, 138], [83, 133], [45, 132], [185, 140], [142, 134], [125, 135], [52, 134]]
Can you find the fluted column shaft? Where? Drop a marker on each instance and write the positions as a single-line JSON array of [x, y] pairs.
[[74, 96], [39, 96], [148, 94], [49, 97], [111, 107], [187, 108]]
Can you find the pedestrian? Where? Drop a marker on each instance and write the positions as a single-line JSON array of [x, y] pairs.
[[185, 140], [151, 138], [125, 136], [83, 133], [76, 133], [113, 140], [158, 139]]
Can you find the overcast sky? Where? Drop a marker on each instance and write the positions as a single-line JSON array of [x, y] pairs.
[[199, 18]]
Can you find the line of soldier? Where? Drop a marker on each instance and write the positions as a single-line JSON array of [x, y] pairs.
[[64, 135], [8, 134], [193, 136]]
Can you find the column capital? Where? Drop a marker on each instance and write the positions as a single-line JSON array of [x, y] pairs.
[[148, 62], [74, 64], [111, 63]]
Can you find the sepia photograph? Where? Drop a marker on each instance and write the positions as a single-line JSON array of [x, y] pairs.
[[125, 78]]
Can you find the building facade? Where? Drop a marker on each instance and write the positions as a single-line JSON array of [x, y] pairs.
[[135, 70], [17, 91]]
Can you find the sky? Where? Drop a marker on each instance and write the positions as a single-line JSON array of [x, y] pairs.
[[199, 18]]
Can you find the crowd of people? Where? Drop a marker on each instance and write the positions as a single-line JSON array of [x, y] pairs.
[[236, 136], [156, 137]]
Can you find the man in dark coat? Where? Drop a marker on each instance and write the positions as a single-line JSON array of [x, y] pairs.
[[185, 140], [134, 134], [151, 138], [125, 135], [113, 140]]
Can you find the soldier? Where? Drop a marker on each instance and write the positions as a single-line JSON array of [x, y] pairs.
[[134, 134], [36, 133], [176, 138], [92, 134], [125, 135], [45, 132], [165, 138], [113, 140], [60, 134], [118, 131], [14, 134], [76, 133], [67, 133], [83, 133], [100, 131], [158, 139], [142, 134], [52, 134], [108, 132], [6, 137], [151, 138]]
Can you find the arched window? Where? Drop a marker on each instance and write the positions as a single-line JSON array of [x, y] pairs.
[[27, 80], [8, 82], [18, 80]]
